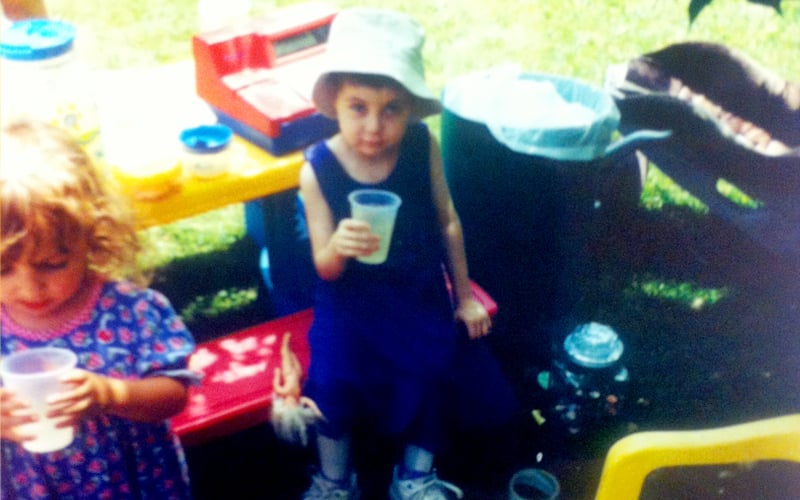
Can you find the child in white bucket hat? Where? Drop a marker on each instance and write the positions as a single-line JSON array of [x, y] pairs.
[[383, 340], [375, 42]]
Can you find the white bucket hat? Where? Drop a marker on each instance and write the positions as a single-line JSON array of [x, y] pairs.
[[377, 42]]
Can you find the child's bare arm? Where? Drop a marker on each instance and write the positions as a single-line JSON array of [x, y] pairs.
[[469, 310], [332, 246], [150, 399]]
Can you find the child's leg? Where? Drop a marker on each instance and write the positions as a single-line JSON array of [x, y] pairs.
[[415, 478], [417, 462], [426, 436], [334, 480], [334, 457]]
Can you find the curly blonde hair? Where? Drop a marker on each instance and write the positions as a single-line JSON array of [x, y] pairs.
[[50, 187]]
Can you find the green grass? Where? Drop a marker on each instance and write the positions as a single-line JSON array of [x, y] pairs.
[[203, 234], [216, 304], [680, 292], [573, 38]]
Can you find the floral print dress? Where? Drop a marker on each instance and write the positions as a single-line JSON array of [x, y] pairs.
[[124, 332]]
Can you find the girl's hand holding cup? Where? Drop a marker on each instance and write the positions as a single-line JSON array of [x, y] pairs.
[[89, 394], [14, 413], [35, 376], [354, 238], [85, 394]]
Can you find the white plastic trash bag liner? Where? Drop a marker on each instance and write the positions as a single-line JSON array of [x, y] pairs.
[[537, 114]]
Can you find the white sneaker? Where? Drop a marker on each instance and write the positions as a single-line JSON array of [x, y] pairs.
[[324, 489], [427, 487]]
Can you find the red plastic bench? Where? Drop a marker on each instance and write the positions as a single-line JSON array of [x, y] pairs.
[[236, 392]]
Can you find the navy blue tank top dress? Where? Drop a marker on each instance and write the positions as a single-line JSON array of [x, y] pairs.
[[383, 337]]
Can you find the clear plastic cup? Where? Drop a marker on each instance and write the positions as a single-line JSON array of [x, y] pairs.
[[378, 208], [35, 375]]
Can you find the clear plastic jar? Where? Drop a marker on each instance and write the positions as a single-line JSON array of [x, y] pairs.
[[41, 78], [588, 380], [593, 345]]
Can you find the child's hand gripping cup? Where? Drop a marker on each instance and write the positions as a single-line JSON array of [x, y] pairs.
[[378, 208], [34, 375]]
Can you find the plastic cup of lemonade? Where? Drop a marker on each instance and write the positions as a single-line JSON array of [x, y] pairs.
[[378, 208], [34, 375]]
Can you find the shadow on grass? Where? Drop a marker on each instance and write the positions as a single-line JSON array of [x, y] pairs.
[[194, 279], [690, 367]]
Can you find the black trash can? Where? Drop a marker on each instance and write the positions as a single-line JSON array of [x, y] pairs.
[[533, 197]]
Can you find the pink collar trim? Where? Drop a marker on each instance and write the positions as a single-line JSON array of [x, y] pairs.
[[84, 315]]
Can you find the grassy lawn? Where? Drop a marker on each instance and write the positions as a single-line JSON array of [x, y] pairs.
[[574, 38]]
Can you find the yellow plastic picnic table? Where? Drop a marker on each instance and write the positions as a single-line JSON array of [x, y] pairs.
[[142, 110]]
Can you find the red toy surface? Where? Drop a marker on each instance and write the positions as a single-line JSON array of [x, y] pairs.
[[236, 392], [260, 72]]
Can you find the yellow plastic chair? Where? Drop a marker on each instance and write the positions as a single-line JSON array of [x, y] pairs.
[[633, 457]]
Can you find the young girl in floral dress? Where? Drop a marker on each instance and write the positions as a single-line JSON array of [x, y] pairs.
[[67, 247]]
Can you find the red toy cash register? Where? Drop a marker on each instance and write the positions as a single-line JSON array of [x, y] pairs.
[[258, 76]]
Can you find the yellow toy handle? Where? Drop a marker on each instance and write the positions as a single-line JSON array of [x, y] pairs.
[[633, 457]]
